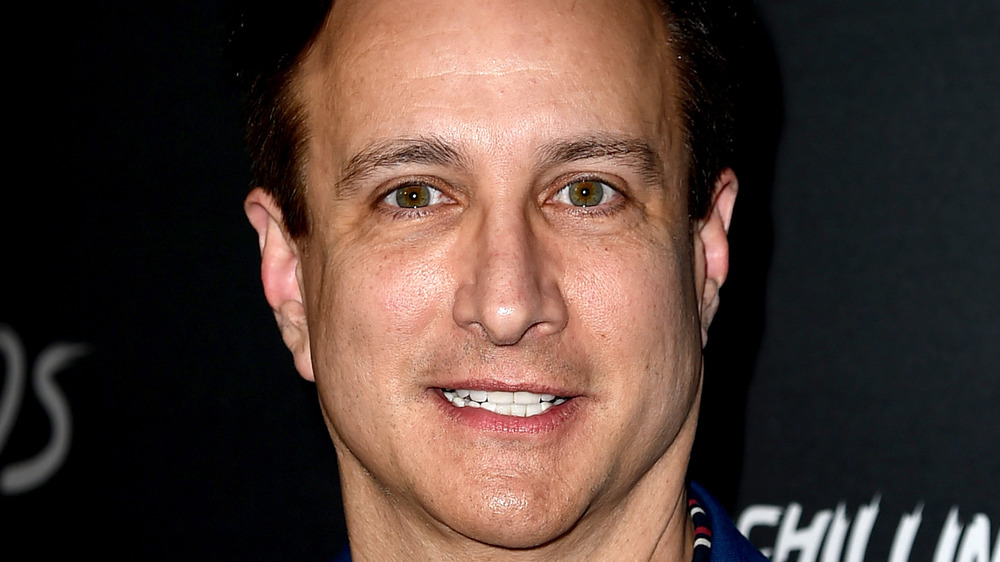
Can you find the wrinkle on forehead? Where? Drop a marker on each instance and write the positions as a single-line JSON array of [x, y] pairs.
[[498, 69], [508, 41], [447, 62]]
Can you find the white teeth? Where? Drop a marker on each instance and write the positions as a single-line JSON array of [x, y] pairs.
[[535, 409], [520, 403], [504, 398], [526, 398]]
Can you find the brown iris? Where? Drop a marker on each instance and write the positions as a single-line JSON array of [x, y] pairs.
[[413, 196], [586, 193]]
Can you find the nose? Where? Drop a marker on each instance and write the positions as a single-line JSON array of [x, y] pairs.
[[509, 289]]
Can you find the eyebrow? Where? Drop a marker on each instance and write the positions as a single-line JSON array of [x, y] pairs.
[[430, 150], [631, 152]]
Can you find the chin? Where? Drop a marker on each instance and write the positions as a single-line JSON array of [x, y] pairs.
[[514, 520]]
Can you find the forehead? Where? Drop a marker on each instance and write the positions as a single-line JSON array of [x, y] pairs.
[[515, 68]]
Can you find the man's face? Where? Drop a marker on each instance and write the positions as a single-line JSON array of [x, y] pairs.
[[496, 206]]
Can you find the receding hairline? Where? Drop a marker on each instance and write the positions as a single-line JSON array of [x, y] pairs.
[[683, 42], [331, 45]]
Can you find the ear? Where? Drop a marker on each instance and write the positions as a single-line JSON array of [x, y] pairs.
[[712, 247], [281, 274]]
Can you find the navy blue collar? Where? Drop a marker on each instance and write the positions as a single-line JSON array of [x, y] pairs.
[[728, 545]]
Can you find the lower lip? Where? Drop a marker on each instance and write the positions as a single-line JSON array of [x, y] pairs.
[[485, 420]]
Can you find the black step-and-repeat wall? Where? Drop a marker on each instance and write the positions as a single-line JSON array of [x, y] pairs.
[[852, 409]]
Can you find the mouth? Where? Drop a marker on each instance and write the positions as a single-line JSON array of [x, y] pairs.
[[522, 404]]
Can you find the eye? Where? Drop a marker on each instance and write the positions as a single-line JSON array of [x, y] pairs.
[[413, 196], [586, 193]]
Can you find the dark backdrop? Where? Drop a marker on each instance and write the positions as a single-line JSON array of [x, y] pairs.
[[149, 409]]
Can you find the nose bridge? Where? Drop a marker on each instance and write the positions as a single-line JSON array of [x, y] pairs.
[[509, 261], [512, 289]]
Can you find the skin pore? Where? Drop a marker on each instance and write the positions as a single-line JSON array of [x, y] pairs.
[[496, 200]]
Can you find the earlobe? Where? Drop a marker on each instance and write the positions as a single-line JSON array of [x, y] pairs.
[[280, 272], [713, 246]]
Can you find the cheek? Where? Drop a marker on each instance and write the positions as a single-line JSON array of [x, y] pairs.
[[378, 305], [410, 292], [634, 297], [373, 313]]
